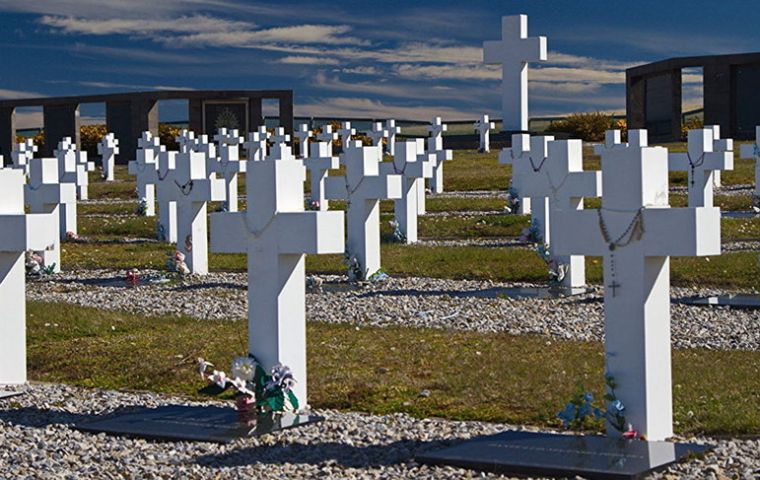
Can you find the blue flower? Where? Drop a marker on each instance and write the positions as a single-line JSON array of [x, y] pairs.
[[616, 407]]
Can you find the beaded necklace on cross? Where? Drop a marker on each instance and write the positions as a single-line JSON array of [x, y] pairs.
[[634, 232]]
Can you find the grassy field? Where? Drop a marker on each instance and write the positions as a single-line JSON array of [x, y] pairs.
[[492, 377]]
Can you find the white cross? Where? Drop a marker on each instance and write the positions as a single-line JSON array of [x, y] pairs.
[[167, 229], [19, 232], [752, 151], [319, 163], [228, 165], [363, 186], [280, 137], [256, 146], [304, 135], [526, 154], [483, 126], [276, 235], [435, 146], [204, 146], [393, 130], [73, 166], [637, 232], [720, 145], [22, 154], [108, 148], [190, 187], [560, 180], [185, 140], [700, 161], [413, 169], [44, 194], [378, 133], [513, 52], [328, 136], [346, 132], [144, 168]]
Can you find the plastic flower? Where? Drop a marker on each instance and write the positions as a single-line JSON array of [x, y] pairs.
[[630, 433], [243, 368], [616, 407], [241, 386], [203, 365], [219, 378], [282, 378], [567, 415]]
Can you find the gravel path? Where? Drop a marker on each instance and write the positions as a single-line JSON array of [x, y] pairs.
[[415, 302], [39, 442]]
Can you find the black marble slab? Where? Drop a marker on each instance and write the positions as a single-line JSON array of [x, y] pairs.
[[10, 394], [194, 423], [542, 292], [554, 455], [739, 300]]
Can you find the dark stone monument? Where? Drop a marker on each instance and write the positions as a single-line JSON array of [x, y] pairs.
[[200, 423], [545, 454], [227, 114]]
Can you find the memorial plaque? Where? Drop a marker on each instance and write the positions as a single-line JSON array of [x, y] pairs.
[[4, 394], [545, 454], [542, 292], [199, 423], [230, 115], [740, 300]]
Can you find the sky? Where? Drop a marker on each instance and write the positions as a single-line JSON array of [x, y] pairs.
[[383, 59]]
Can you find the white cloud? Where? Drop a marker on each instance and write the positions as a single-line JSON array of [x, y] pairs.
[[361, 70], [16, 94], [304, 60], [131, 86], [142, 26], [366, 108], [454, 72]]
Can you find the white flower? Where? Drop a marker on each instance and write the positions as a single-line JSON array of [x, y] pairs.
[[219, 378], [242, 387], [244, 368], [203, 366]]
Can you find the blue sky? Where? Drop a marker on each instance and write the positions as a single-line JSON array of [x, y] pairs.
[[397, 59]]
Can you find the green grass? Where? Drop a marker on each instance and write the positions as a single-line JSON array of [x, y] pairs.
[[490, 377]]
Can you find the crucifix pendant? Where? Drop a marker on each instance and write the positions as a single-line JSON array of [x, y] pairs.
[[612, 247], [614, 286]]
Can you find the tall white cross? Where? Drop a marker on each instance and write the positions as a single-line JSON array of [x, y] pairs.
[[435, 146], [304, 135], [44, 194], [378, 133], [190, 187], [73, 166], [328, 136], [513, 52], [560, 180], [700, 161], [484, 126], [393, 130], [525, 155], [752, 151], [319, 163], [228, 165], [276, 235], [636, 232], [19, 232], [143, 167], [346, 132], [166, 226], [256, 146], [23, 153], [363, 186], [108, 148], [719, 145], [413, 169]]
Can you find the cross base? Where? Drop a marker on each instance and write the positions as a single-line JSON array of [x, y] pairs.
[[550, 455]]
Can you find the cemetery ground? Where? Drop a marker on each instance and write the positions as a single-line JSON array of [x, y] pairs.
[[439, 341]]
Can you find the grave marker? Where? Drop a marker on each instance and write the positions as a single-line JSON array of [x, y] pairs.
[[185, 140], [700, 162], [276, 235], [484, 126], [73, 166], [19, 232], [45, 195], [319, 163], [143, 167], [304, 135], [413, 169], [167, 209], [514, 51], [363, 186], [108, 148], [256, 146], [637, 232], [528, 154], [23, 153], [378, 133], [328, 136], [228, 165], [190, 187], [393, 130], [435, 146], [346, 132]]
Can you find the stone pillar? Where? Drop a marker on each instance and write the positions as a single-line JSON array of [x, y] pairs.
[[127, 120], [60, 121], [195, 115], [717, 98], [662, 105], [255, 113], [286, 112], [635, 93], [7, 132]]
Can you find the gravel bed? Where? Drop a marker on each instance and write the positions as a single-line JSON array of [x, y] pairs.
[[415, 302], [39, 441], [475, 242]]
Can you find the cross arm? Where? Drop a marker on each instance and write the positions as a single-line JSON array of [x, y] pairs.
[[310, 232], [382, 187], [335, 188], [229, 232], [583, 184], [34, 231], [682, 232]]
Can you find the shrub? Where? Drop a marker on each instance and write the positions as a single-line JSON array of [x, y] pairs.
[[690, 124], [39, 140], [89, 138], [589, 127]]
